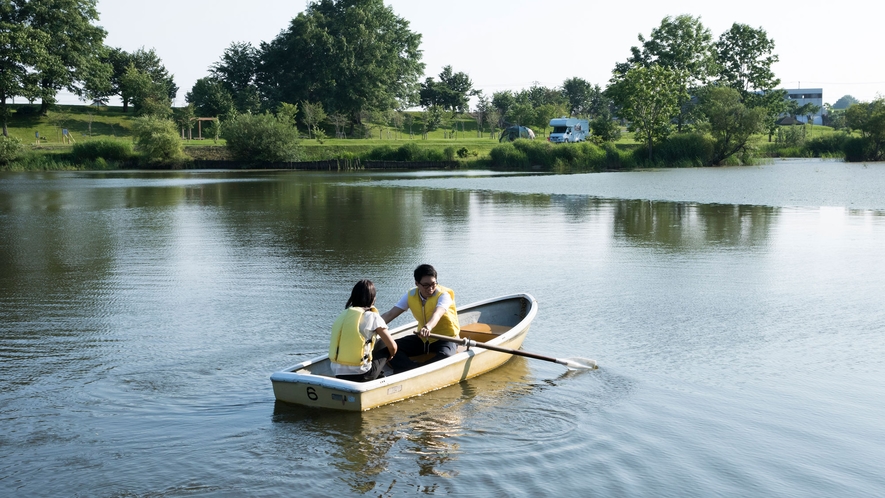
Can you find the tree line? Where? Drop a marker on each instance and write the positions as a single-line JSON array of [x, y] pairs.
[[347, 63]]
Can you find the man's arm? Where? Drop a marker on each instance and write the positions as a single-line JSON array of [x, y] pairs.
[[434, 319]]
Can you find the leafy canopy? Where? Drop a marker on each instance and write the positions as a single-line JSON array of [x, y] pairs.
[[349, 55], [648, 97]]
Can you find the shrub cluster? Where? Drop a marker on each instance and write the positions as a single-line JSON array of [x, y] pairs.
[[107, 149], [157, 140], [827, 146], [525, 154], [684, 150], [10, 149], [253, 138], [859, 149], [410, 152]]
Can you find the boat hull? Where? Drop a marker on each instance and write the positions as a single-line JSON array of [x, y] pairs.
[[310, 383]]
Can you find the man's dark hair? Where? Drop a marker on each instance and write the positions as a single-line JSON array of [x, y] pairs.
[[362, 295], [424, 271]]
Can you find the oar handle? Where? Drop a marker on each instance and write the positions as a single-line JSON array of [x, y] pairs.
[[471, 343]]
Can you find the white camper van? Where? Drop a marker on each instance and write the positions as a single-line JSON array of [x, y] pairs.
[[569, 130]]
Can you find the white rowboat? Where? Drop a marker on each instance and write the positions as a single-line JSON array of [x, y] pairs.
[[502, 322]]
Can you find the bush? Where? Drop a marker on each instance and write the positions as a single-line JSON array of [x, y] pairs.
[[10, 149], [253, 138], [157, 140], [857, 149], [521, 154], [411, 152], [107, 149], [791, 136], [508, 156], [827, 146], [685, 149]]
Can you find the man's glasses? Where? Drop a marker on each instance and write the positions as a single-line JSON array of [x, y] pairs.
[[428, 286]]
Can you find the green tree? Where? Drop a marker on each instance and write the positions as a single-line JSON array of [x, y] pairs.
[[683, 45], [522, 113], [288, 113], [451, 92], [493, 118], [157, 140], [869, 119], [731, 123], [809, 110], [349, 55], [395, 118], [97, 79], [546, 112], [648, 98], [339, 121], [237, 71], [483, 105], [211, 99], [184, 118], [503, 101], [22, 47], [149, 97], [578, 93], [433, 116], [255, 138], [605, 128], [745, 58], [10, 149], [145, 61], [312, 114], [73, 47], [538, 95], [845, 102]]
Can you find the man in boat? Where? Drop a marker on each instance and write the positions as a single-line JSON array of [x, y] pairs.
[[434, 307]]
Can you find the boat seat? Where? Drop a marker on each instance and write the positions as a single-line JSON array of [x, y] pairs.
[[482, 332]]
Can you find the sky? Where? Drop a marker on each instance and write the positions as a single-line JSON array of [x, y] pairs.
[[514, 44]]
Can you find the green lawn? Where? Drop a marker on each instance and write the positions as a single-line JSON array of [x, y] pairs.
[[86, 123]]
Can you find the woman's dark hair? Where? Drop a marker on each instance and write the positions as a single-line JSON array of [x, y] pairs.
[[362, 295], [424, 271]]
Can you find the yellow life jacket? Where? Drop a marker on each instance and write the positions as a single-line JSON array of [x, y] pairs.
[[422, 311], [347, 345]]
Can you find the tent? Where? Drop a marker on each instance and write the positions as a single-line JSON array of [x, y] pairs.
[[511, 133]]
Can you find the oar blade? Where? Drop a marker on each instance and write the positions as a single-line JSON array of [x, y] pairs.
[[579, 363]]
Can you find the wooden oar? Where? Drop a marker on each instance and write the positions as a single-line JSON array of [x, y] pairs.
[[572, 363]]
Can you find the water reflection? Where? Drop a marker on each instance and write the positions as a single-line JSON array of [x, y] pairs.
[[693, 226], [428, 428]]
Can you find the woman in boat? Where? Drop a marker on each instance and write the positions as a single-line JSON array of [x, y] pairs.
[[352, 346], [434, 307]]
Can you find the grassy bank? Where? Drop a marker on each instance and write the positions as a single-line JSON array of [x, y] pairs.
[[460, 141]]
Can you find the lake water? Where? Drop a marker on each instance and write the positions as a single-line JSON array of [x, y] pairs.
[[736, 313]]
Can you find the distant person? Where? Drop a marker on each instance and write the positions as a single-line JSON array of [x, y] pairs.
[[434, 307], [352, 345]]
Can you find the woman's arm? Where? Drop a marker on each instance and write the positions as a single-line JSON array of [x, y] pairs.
[[388, 340], [391, 314]]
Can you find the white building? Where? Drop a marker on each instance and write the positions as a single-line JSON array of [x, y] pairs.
[[802, 96]]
